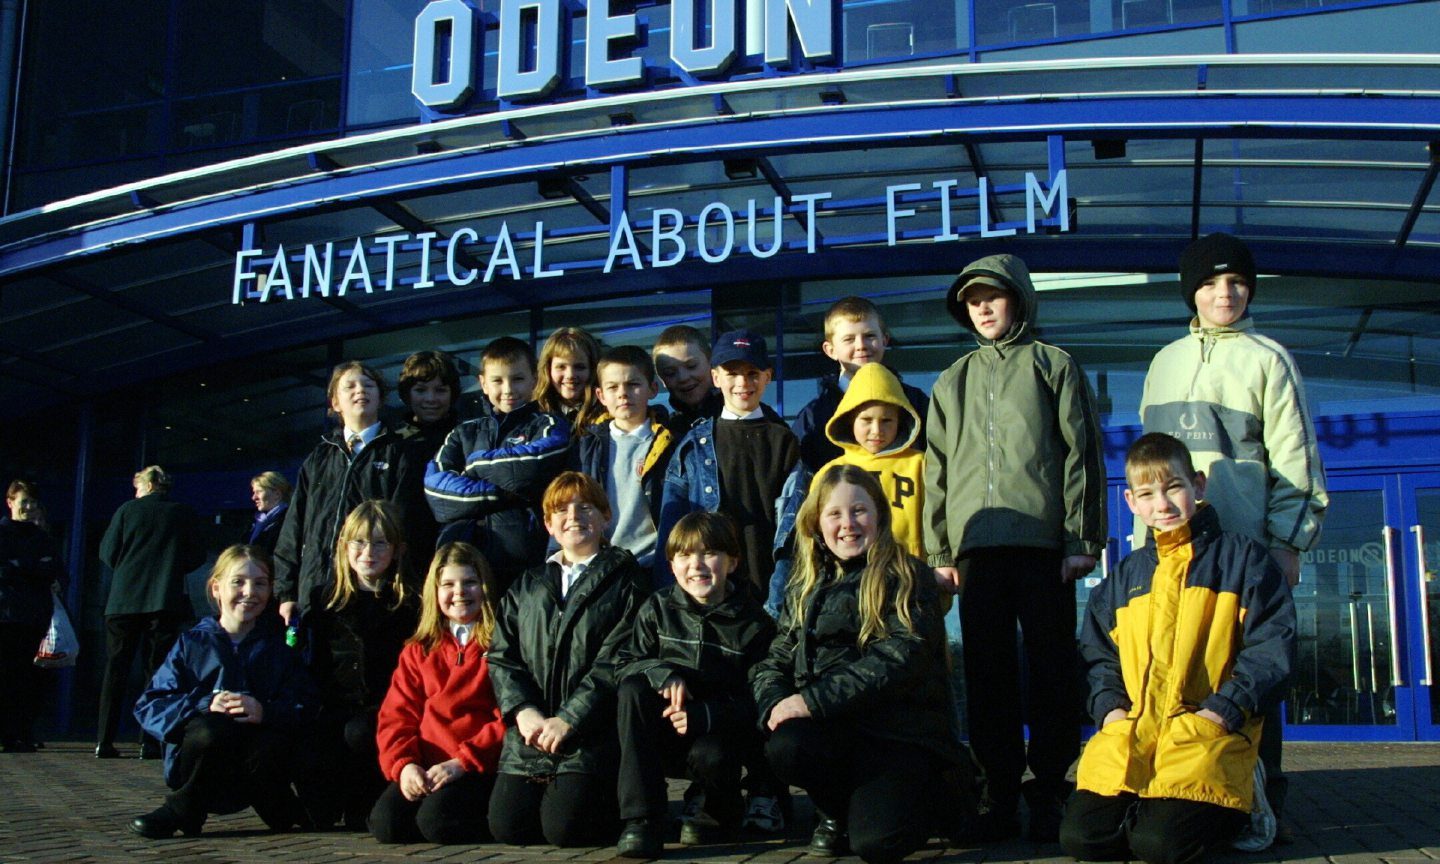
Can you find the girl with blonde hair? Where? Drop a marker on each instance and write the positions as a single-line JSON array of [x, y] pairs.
[[357, 628], [854, 691], [229, 702], [568, 375]]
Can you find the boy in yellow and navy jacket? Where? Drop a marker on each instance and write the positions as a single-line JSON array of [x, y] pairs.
[[1187, 644]]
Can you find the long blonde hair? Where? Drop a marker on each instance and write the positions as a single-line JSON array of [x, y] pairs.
[[574, 344], [432, 626], [883, 560], [361, 525]]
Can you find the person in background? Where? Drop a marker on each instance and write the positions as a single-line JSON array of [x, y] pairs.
[[30, 569], [567, 376], [360, 461], [429, 390], [270, 492], [229, 702], [682, 361], [22, 502], [855, 334], [151, 544]]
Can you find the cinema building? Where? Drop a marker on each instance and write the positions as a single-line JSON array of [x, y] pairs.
[[208, 204]]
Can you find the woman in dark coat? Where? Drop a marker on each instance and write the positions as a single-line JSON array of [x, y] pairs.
[[29, 570], [270, 492], [152, 542]]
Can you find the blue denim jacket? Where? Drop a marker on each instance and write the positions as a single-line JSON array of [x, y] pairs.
[[787, 508], [692, 482]]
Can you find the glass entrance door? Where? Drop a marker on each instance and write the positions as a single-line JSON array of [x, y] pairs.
[[1421, 494], [1349, 682]]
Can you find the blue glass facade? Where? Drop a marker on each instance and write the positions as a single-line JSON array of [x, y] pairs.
[[172, 85]]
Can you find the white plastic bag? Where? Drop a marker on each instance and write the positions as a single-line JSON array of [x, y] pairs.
[[59, 647]]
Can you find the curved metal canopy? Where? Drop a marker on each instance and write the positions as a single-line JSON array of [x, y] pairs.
[[1325, 164]]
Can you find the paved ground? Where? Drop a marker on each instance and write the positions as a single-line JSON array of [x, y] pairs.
[[1349, 804]]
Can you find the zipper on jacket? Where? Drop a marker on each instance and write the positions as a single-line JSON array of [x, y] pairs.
[[990, 433]]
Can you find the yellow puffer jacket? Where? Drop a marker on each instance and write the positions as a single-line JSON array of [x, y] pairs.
[[1236, 399], [900, 468], [1199, 618]]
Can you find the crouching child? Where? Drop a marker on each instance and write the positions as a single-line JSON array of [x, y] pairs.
[[1186, 645], [685, 707], [229, 703]]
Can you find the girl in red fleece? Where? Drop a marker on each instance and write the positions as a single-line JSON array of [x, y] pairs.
[[440, 728]]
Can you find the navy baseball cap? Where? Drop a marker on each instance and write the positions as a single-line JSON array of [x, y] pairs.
[[744, 345]]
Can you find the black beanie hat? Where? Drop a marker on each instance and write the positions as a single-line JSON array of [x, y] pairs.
[[1210, 256]]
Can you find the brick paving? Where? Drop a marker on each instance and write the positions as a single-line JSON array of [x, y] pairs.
[[1349, 804]]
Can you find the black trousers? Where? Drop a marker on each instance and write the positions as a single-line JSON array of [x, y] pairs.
[[338, 771], [454, 813], [650, 751], [886, 793], [1005, 586], [562, 810], [124, 635], [224, 766], [19, 682], [1154, 830]]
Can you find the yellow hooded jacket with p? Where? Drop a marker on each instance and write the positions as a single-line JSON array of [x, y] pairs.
[[1198, 618], [900, 467]]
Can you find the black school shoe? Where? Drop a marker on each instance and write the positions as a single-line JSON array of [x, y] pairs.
[[830, 839], [642, 838], [162, 823]]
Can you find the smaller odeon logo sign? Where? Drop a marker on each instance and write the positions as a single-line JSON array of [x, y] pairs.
[[531, 39], [714, 234]]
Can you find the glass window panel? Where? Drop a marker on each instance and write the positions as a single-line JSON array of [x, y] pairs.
[[896, 29], [93, 81], [1199, 40], [266, 42], [382, 51], [1397, 29], [1343, 673]]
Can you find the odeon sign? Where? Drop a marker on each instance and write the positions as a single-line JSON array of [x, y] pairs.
[[530, 38]]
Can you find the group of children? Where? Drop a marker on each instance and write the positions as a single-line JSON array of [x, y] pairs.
[[595, 617]]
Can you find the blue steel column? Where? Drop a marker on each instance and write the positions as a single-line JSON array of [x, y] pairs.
[[75, 554]]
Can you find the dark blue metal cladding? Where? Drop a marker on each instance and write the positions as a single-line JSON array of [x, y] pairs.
[[1204, 115]]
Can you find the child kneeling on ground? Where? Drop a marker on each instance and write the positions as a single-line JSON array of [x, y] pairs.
[[685, 708], [854, 691], [229, 702], [1187, 643], [556, 638], [439, 729]]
